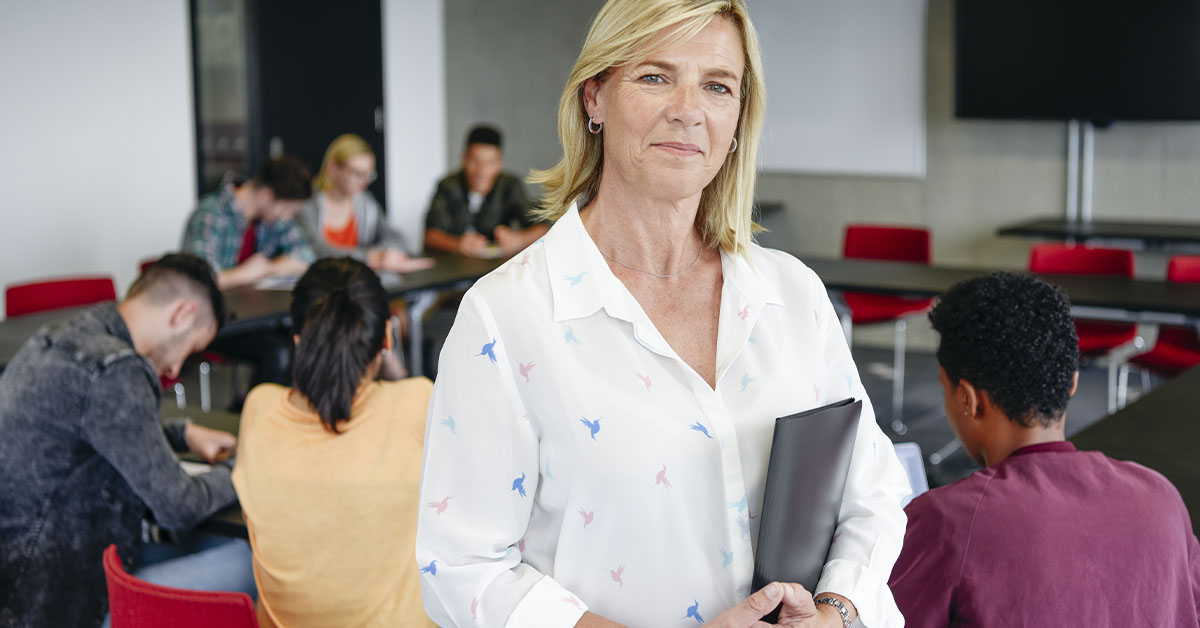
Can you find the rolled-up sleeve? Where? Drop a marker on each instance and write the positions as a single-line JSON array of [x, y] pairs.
[[481, 461], [871, 522]]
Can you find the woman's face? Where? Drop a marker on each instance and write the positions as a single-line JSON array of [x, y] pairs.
[[669, 119], [353, 177]]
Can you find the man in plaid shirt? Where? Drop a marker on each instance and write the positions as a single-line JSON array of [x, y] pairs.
[[245, 229]]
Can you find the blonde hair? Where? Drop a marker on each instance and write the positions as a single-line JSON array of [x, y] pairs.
[[619, 35], [341, 149]]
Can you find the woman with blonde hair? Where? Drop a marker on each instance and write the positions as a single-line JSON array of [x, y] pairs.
[[599, 432], [343, 218]]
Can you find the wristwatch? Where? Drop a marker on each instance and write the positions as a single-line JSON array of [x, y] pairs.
[[841, 608]]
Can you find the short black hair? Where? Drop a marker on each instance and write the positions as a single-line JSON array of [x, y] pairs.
[[1011, 335], [340, 311], [484, 134], [286, 176], [167, 275]]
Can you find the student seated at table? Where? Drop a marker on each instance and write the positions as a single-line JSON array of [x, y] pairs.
[[481, 211], [246, 230], [84, 453], [1045, 535], [328, 471], [343, 218]]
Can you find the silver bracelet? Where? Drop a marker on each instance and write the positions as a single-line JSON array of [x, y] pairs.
[[841, 608]]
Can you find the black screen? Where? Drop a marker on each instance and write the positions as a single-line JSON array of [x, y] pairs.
[[1064, 59]]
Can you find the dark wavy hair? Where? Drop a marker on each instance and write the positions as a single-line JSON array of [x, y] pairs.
[[340, 310], [286, 176], [173, 273], [1011, 335]]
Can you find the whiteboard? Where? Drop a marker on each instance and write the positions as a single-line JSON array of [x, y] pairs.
[[845, 86]]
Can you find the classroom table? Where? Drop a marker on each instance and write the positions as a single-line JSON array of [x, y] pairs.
[[1159, 431], [1149, 235]]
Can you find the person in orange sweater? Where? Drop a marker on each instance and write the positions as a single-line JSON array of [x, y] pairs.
[[328, 472]]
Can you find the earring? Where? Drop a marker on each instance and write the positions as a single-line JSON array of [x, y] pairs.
[[734, 148], [598, 127]]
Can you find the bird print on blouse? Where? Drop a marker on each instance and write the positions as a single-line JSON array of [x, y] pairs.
[[693, 611], [449, 422], [747, 380], [592, 426], [518, 484], [549, 476], [615, 574], [525, 368], [525, 261], [816, 393], [569, 336], [661, 478], [645, 379], [587, 517], [573, 601], [441, 506], [849, 381], [574, 280], [489, 350], [744, 312], [753, 340], [430, 569], [726, 558], [474, 609], [521, 545], [699, 427], [739, 504]]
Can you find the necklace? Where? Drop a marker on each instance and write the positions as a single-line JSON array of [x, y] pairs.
[[653, 274]]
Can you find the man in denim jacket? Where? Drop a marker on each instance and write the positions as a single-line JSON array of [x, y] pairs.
[[83, 450]]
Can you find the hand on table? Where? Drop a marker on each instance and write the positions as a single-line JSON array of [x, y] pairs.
[[211, 445], [472, 244], [397, 261]]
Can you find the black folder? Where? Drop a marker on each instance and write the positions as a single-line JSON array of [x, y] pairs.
[[806, 476]]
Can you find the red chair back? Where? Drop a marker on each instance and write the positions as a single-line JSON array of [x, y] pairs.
[[42, 296], [1184, 269], [1067, 259], [135, 603], [882, 242]]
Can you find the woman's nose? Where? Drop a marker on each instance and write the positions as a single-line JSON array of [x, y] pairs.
[[685, 105]]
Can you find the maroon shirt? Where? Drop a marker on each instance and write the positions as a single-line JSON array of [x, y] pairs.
[[1050, 537]]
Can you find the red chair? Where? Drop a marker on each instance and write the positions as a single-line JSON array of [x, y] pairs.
[[1096, 338], [1177, 348], [56, 294], [902, 244], [135, 603]]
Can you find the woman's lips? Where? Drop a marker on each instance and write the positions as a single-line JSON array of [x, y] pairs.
[[679, 148]]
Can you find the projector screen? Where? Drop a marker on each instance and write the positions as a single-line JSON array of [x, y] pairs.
[[845, 86]]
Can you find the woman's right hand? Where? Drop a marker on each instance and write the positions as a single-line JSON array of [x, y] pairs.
[[749, 613]]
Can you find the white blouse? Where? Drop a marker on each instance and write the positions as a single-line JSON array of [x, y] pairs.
[[574, 462]]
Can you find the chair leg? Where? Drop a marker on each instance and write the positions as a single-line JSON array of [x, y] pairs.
[[1145, 373], [1122, 385], [898, 425], [205, 387], [1113, 367], [180, 395]]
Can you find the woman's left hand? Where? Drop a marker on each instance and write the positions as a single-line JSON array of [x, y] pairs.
[[800, 611]]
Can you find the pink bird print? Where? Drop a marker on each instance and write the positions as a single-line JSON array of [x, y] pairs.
[[816, 392], [573, 601], [745, 311], [587, 517], [645, 379], [440, 506], [661, 478], [521, 545], [475, 609], [525, 368], [525, 260], [615, 574]]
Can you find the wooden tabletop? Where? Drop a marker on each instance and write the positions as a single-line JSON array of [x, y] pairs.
[[1150, 234]]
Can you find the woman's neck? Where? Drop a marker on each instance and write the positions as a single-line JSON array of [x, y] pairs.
[[651, 235], [338, 197]]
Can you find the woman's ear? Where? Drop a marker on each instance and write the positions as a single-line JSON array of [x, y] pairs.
[[971, 399], [591, 100]]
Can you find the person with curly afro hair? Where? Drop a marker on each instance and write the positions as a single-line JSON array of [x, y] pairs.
[[1044, 535]]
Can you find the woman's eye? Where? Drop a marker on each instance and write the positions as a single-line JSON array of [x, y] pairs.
[[719, 88], [653, 79]]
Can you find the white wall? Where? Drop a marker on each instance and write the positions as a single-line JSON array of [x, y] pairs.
[[414, 102], [97, 164]]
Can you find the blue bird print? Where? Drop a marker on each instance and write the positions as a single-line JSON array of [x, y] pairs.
[[739, 504], [489, 350], [570, 337], [430, 569], [747, 380], [574, 281], [694, 612], [726, 558], [849, 381], [449, 422], [593, 426], [549, 476], [753, 340], [519, 484], [699, 427]]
